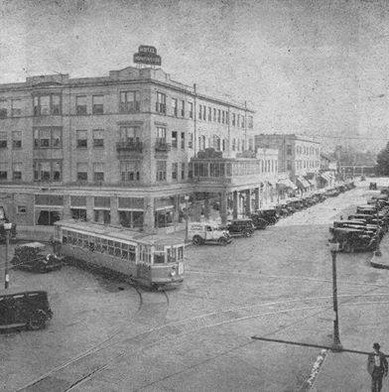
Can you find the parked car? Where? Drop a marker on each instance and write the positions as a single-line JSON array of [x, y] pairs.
[[200, 233], [259, 222], [352, 240], [373, 186], [241, 227], [30, 309], [35, 257], [270, 215]]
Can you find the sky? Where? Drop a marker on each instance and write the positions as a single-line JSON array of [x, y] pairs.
[[314, 67]]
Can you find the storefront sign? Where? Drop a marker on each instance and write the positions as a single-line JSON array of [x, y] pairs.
[[147, 55]]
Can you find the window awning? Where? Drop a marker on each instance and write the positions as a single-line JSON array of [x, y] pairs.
[[302, 183], [286, 183]]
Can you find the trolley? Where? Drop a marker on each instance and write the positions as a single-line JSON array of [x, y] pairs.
[[150, 260]]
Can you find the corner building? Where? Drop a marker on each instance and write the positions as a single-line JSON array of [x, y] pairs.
[[114, 149]]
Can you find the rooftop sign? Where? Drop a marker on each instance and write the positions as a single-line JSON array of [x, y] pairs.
[[147, 55]]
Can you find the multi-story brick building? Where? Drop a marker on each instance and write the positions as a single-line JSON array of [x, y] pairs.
[[299, 156], [113, 149]]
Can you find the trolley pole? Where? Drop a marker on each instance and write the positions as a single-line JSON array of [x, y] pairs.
[[7, 229], [186, 218], [336, 345]]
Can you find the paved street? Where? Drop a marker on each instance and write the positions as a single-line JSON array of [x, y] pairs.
[[110, 336]]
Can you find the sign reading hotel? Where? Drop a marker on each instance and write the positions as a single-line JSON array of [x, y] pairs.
[[147, 55]]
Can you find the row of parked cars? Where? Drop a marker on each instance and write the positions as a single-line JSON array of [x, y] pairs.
[[210, 232], [363, 230], [264, 218]]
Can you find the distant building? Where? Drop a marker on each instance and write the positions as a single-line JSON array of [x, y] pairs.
[[299, 156]]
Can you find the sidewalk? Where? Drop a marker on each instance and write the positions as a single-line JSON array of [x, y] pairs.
[[345, 371]]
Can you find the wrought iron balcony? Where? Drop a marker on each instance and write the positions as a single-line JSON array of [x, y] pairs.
[[162, 146], [129, 146]]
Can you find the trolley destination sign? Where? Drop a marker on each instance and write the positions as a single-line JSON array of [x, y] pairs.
[[147, 55]]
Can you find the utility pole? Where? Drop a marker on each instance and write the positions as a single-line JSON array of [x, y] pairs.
[[336, 345], [7, 229]]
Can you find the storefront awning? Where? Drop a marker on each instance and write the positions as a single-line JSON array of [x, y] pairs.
[[302, 183], [286, 183]]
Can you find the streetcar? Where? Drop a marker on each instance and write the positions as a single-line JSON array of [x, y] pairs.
[[149, 260]]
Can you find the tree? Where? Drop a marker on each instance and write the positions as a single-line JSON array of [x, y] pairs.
[[383, 161]]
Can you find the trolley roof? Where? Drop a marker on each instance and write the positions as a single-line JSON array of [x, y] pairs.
[[117, 233]]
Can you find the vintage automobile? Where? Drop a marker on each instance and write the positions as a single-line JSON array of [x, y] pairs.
[[241, 228], [29, 309], [259, 222], [270, 215], [373, 186], [352, 240], [208, 232], [35, 257]]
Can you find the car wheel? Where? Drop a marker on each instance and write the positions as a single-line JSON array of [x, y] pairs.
[[197, 240], [37, 320], [222, 241], [247, 233]]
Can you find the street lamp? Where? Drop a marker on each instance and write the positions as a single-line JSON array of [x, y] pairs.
[[186, 197], [336, 345], [7, 229]]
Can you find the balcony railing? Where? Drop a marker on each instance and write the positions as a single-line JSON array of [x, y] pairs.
[[130, 107], [129, 146], [162, 146]]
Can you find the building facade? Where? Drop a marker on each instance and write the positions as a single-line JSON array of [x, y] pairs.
[[298, 156], [113, 149]]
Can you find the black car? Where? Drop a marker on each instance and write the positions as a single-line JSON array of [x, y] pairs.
[[259, 222], [270, 215], [241, 227], [35, 257], [30, 309]]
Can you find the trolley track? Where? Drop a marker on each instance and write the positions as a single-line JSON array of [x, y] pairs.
[[111, 350]]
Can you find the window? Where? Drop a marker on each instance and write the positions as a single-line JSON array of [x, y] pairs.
[[98, 104], [289, 149], [175, 107], [209, 114], [182, 108], [233, 144], [3, 171], [250, 122], [47, 170], [219, 115], [82, 139], [243, 122], [161, 134], [204, 113], [3, 108], [17, 171], [174, 171], [288, 165], [161, 170], [223, 116], [233, 119], [44, 105], [81, 105], [190, 109], [16, 107], [227, 117], [129, 171], [16, 139], [22, 210], [129, 134], [82, 171], [190, 141], [183, 140], [224, 144], [98, 171], [3, 139], [214, 114], [129, 102], [161, 103], [200, 112], [183, 171], [47, 137], [174, 139], [98, 138]]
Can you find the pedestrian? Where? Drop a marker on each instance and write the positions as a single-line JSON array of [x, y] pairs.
[[377, 366]]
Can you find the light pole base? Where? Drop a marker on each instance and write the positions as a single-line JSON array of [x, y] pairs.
[[336, 347]]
